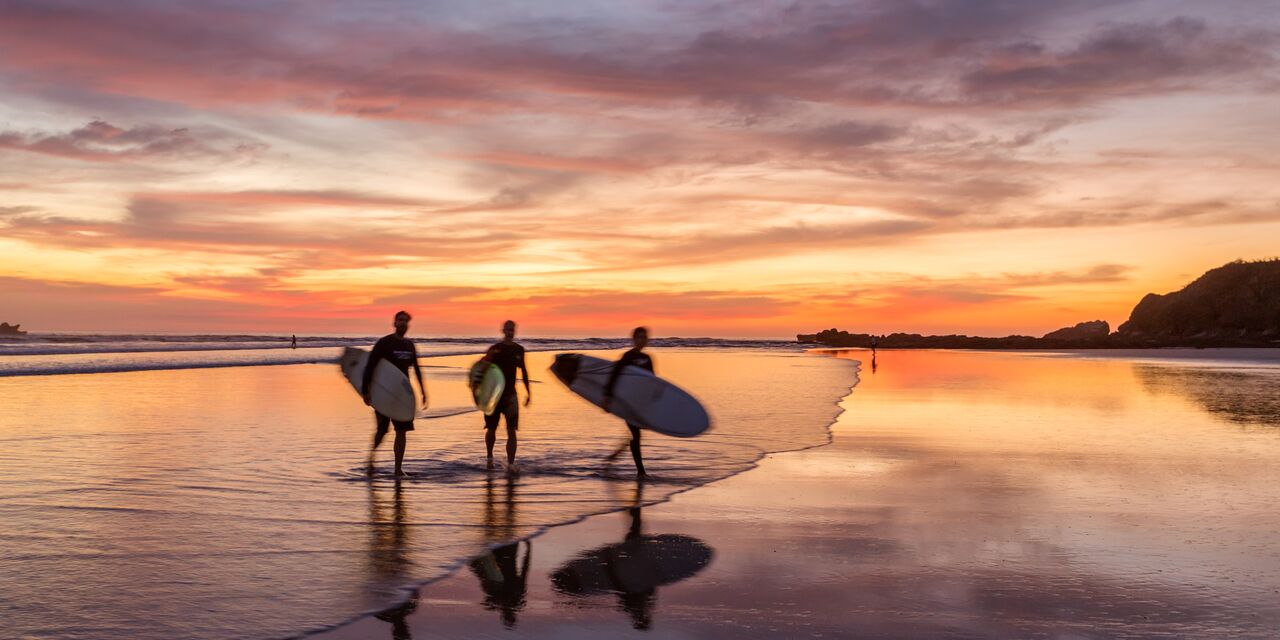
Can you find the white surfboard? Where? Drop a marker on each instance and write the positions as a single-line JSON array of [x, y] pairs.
[[486, 382], [639, 396], [390, 392]]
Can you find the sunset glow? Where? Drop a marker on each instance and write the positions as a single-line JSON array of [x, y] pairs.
[[729, 169]]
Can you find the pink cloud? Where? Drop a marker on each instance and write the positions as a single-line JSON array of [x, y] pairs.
[[101, 141]]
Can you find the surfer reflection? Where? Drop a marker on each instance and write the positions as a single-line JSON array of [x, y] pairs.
[[504, 577], [389, 559], [633, 569], [873, 363]]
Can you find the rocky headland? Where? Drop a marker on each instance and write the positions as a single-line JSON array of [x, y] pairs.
[[1235, 305]]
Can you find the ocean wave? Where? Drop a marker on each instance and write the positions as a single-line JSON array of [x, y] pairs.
[[58, 354]]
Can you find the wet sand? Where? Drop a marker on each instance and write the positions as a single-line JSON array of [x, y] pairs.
[[963, 495], [233, 502]]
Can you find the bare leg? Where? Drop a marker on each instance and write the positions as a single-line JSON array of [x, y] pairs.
[[402, 438], [511, 447], [635, 451], [490, 437], [377, 440]]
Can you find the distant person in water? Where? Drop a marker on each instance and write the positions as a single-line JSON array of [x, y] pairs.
[[293, 342], [399, 351], [873, 346], [638, 358], [508, 356]]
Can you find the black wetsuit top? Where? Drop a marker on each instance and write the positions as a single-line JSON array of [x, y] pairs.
[[635, 358], [398, 351], [508, 357]]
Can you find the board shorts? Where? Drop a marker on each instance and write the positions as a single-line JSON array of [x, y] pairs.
[[508, 406], [384, 423]]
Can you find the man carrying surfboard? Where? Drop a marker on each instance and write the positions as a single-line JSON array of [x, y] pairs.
[[399, 351], [507, 355], [638, 358]]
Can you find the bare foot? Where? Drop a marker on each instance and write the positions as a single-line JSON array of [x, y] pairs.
[[643, 476], [513, 469], [400, 473], [489, 465]]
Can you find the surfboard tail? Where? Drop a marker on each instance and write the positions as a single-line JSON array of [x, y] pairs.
[[566, 367]]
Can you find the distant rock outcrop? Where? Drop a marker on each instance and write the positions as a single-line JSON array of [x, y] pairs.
[[1235, 305], [1237, 301], [1091, 331], [7, 329]]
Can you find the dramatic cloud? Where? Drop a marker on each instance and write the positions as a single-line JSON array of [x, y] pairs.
[[753, 165], [1177, 55], [101, 141]]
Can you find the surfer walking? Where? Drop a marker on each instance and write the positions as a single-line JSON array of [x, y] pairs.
[[399, 351], [293, 342], [507, 355], [635, 357]]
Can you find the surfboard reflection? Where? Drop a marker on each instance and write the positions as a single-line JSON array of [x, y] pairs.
[[633, 569], [504, 578]]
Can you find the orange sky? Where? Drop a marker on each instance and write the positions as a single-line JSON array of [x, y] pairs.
[[750, 169]]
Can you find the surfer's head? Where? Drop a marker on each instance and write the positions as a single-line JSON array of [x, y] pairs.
[[640, 337], [401, 322], [509, 330]]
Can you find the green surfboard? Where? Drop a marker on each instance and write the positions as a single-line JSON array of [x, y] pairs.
[[486, 382]]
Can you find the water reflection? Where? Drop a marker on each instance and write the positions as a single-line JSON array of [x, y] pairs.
[[504, 578], [1239, 396], [389, 560], [633, 569]]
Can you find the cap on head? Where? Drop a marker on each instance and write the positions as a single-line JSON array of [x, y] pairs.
[[403, 313]]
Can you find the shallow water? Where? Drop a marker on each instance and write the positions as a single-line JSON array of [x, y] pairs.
[[57, 354], [965, 495], [231, 502]]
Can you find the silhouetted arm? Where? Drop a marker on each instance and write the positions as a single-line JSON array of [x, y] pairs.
[[374, 356], [524, 370], [613, 376], [417, 371]]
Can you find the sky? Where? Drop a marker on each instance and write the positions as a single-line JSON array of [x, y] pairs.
[[735, 169]]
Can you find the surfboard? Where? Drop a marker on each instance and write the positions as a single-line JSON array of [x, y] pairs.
[[391, 393], [639, 397], [639, 565], [486, 382]]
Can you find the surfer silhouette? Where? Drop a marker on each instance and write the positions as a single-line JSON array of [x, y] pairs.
[[638, 358], [507, 355], [399, 351], [293, 342]]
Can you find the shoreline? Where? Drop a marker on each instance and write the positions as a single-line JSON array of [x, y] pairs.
[[273, 485], [411, 591], [881, 533]]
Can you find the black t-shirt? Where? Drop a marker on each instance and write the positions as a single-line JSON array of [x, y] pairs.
[[395, 349], [508, 356], [635, 358]]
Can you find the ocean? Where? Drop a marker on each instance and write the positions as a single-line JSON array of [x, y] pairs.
[[174, 486]]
